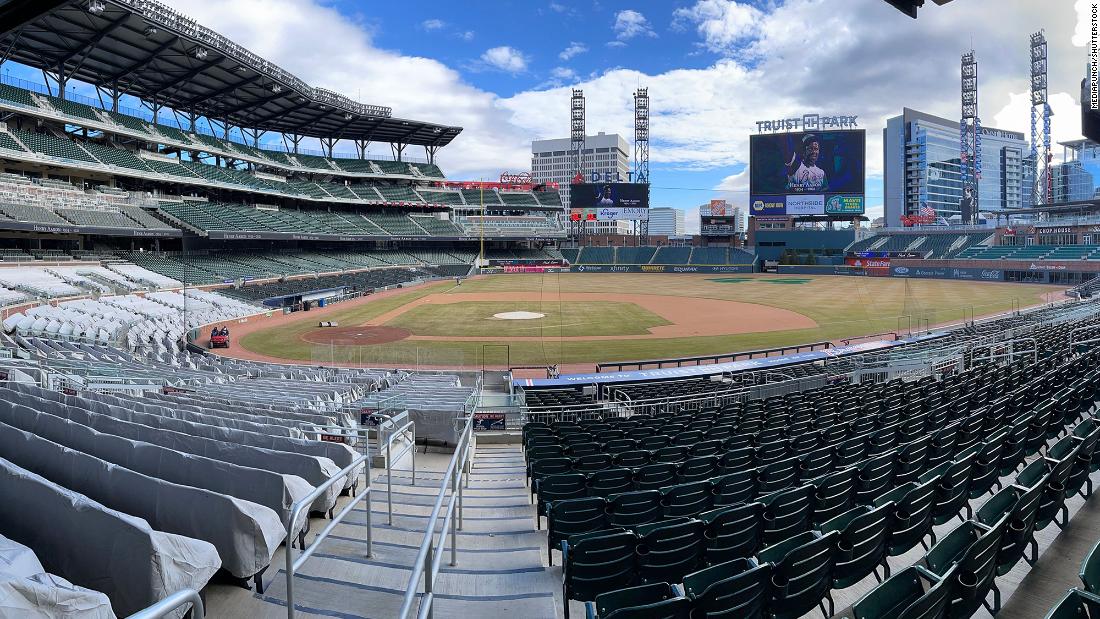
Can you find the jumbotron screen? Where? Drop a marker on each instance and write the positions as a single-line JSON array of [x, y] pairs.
[[609, 195], [809, 162]]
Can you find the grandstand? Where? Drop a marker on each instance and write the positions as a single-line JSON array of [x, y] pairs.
[[663, 255]]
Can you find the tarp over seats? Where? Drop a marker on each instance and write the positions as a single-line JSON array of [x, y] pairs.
[[272, 490], [97, 547], [28, 591], [245, 534]]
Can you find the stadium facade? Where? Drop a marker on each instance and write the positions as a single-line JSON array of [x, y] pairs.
[[921, 168]]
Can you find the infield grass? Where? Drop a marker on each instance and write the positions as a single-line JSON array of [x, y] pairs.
[[841, 306], [562, 319]]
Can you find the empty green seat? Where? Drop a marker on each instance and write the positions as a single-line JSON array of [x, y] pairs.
[[597, 563], [669, 550], [1076, 604], [787, 513], [861, 547], [735, 532], [573, 517], [1020, 505], [610, 481], [913, 593], [802, 572], [652, 601], [631, 509], [734, 589]]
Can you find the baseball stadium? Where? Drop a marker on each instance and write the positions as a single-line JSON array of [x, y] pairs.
[[250, 367]]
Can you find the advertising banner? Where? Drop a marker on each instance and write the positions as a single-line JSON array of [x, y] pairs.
[[488, 421], [994, 275], [660, 268], [718, 208], [806, 205], [621, 214], [843, 205], [868, 263], [774, 206]]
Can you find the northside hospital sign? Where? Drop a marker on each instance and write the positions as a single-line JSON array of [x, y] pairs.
[[808, 122]]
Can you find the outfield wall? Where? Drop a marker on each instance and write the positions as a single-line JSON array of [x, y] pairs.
[[626, 268], [920, 272]]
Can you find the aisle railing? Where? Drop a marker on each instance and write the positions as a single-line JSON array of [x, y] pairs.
[[292, 564], [429, 557], [171, 603]]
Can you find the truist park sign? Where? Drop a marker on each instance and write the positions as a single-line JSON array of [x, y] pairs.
[[808, 122]]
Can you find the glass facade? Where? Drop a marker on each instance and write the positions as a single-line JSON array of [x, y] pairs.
[[922, 168]]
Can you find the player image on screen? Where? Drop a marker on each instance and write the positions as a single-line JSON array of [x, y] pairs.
[[604, 197], [802, 171], [807, 163]]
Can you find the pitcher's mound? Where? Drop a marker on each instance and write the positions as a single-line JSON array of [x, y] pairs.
[[355, 336], [518, 315]]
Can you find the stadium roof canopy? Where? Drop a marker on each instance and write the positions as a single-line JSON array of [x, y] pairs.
[[145, 49]]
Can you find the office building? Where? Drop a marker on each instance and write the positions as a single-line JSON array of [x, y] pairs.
[[605, 154], [665, 221], [921, 167]]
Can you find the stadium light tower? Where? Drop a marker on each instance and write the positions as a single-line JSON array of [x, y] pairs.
[[641, 135], [1040, 107], [576, 130], [576, 149], [641, 152], [970, 137]]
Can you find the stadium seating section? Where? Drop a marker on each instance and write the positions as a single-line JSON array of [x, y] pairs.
[[664, 255], [79, 113], [727, 500]]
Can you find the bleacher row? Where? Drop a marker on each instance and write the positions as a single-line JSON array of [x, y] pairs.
[[189, 492], [161, 133], [664, 255], [153, 323], [128, 163], [360, 282], [1033, 252], [215, 267], [969, 246], [21, 283], [762, 509], [931, 245]]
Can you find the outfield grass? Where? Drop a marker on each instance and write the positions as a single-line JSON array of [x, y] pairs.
[[564, 319], [842, 307]]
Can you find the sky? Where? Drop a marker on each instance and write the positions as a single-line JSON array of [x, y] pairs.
[[503, 71]]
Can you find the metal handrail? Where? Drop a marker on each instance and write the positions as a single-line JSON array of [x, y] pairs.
[[390, 458], [426, 566], [164, 607], [292, 564]]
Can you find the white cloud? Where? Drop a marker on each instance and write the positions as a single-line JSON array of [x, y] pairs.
[[1081, 34], [324, 48], [691, 220], [868, 60], [563, 73], [574, 49], [466, 35], [630, 24], [721, 23], [433, 24], [505, 58]]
